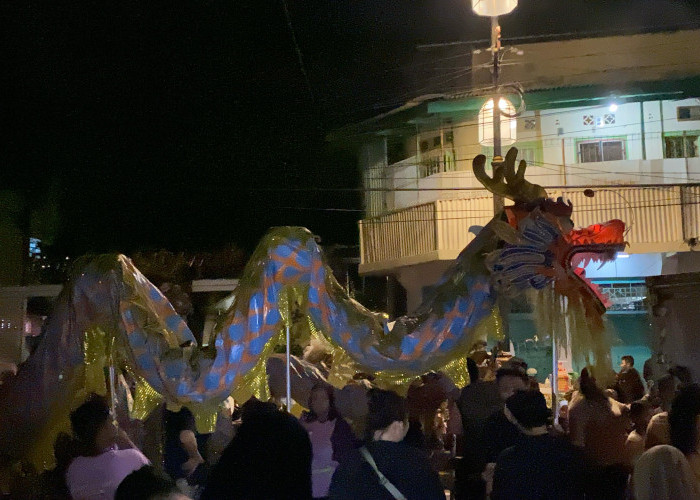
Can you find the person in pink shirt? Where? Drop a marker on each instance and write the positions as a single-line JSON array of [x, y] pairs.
[[331, 437], [106, 455]]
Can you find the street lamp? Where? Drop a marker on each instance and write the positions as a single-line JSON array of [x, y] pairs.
[[493, 8], [507, 123]]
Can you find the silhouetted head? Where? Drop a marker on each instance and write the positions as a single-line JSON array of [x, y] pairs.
[[529, 408], [92, 425], [510, 379], [626, 362], [388, 416], [640, 414], [321, 403], [684, 419], [148, 484]]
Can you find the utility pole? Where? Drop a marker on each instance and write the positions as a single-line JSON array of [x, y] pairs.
[[498, 200], [493, 9]]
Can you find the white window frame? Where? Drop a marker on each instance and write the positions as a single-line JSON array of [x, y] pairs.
[[600, 143]]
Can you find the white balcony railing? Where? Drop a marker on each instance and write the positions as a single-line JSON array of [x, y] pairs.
[[660, 218]]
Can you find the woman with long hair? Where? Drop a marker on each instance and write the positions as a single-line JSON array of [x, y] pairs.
[[331, 437]]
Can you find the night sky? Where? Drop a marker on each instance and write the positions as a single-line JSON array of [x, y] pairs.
[[192, 125]]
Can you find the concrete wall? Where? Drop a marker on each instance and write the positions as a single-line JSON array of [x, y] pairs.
[[675, 317], [670, 120], [569, 124], [628, 266], [680, 262]]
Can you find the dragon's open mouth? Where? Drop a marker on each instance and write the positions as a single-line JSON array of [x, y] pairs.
[[596, 243]]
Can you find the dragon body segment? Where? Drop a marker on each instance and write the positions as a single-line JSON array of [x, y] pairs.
[[292, 262]]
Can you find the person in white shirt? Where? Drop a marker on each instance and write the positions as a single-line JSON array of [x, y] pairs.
[[106, 455]]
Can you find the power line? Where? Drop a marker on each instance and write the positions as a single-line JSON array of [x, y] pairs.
[[599, 206], [571, 35], [588, 172], [312, 189], [489, 215], [541, 164], [297, 49]]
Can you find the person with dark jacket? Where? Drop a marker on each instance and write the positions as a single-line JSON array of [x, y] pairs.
[[269, 458], [500, 433], [540, 466], [406, 468], [629, 385], [477, 401], [181, 449]]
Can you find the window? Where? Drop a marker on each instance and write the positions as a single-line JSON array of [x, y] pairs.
[[527, 154], [603, 150], [395, 149], [437, 164], [434, 142], [685, 113], [681, 146], [625, 296]]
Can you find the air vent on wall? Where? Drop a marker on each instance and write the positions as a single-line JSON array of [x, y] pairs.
[[685, 113]]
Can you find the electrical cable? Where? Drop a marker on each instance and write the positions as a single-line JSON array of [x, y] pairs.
[[373, 221], [297, 49]]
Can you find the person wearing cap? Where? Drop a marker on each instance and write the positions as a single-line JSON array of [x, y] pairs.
[[499, 432], [539, 465]]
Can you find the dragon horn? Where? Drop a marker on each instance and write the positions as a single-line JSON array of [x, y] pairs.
[[479, 169], [506, 181], [509, 165]]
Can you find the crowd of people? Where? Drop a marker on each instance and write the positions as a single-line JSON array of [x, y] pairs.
[[625, 441], [630, 440]]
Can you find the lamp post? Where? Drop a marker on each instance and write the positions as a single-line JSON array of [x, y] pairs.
[[498, 106]]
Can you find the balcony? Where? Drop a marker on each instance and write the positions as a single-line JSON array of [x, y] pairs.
[[661, 218]]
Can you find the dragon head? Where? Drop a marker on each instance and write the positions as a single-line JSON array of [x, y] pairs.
[[541, 246]]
